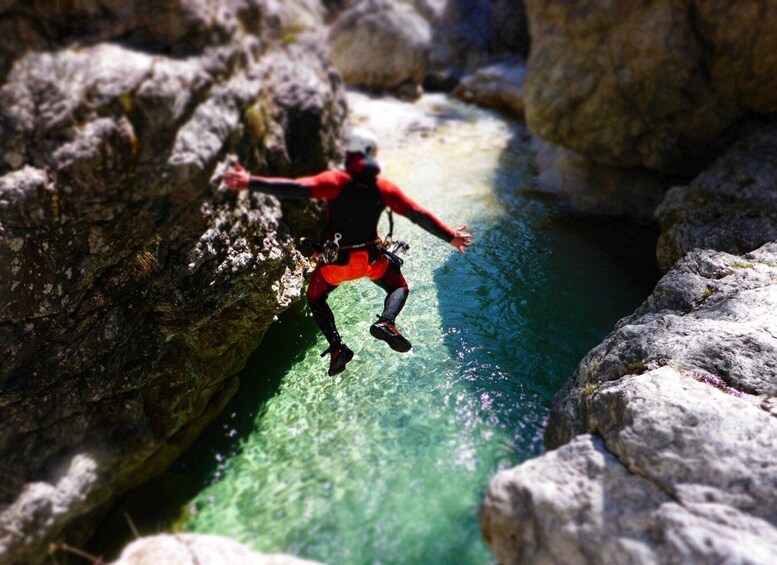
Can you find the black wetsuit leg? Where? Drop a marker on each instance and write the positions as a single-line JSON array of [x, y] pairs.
[[318, 291], [397, 292]]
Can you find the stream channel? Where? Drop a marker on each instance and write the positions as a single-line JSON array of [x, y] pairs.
[[388, 462]]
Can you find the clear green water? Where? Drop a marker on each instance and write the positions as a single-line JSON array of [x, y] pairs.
[[387, 462]]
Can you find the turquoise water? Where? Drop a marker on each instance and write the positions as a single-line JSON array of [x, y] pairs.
[[387, 462]]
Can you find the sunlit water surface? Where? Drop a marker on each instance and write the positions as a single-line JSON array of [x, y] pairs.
[[388, 462]]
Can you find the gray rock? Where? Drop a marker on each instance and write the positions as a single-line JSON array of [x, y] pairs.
[[497, 86], [579, 504], [732, 206], [429, 9], [591, 189], [680, 396], [132, 286], [473, 34], [656, 83], [381, 45], [198, 549]]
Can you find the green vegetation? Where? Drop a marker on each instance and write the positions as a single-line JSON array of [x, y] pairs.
[[256, 121], [635, 367]]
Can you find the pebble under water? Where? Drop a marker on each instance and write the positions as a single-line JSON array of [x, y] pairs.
[[387, 462]]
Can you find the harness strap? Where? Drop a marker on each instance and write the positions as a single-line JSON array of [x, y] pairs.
[[391, 223], [360, 245]]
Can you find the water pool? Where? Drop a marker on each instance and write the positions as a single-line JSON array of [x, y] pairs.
[[387, 462]]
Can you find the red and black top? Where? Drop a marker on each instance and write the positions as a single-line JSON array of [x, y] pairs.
[[355, 203]]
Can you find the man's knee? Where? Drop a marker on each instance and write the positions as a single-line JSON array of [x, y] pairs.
[[318, 288], [393, 280]]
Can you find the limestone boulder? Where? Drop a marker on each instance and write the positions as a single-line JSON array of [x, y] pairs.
[[659, 83], [429, 9], [597, 510], [680, 403], [132, 286], [732, 206], [381, 45], [498, 86], [198, 549]]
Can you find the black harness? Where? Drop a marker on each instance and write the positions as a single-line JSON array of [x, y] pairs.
[[353, 224]]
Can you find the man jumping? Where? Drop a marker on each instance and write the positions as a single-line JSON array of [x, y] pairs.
[[355, 198]]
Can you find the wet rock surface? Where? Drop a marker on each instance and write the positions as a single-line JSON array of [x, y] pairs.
[[132, 287], [659, 84], [679, 400]]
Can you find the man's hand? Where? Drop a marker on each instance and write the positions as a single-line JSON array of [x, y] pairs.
[[237, 178], [461, 239]]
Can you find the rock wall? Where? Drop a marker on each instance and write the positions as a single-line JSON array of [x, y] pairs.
[[657, 83], [131, 287], [663, 440], [665, 436], [381, 45]]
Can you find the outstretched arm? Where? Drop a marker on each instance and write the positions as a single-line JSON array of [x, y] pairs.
[[401, 204], [238, 178], [324, 185]]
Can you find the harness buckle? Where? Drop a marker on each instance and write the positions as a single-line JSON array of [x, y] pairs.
[[330, 249], [393, 249]]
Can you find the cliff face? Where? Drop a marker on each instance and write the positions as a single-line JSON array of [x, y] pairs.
[[131, 287], [664, 439], [658, 83]]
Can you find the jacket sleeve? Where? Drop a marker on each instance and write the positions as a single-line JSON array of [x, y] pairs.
[[398, 202], [326, 185]]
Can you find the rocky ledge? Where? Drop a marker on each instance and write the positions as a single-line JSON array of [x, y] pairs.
[[132, 288], [671, 426]]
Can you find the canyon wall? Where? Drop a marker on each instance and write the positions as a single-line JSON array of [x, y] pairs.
[[132, 287], [660, 84], [662, 443]]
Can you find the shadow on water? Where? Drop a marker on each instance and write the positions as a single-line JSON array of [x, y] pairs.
[[535, 292], [201, 465]]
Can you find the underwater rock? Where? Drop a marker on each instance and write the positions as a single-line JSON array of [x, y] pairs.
[[680, 401], [132, 287], [659, 83]]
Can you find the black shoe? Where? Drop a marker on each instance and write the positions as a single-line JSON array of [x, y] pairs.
[[388, 332], [341, 354]]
